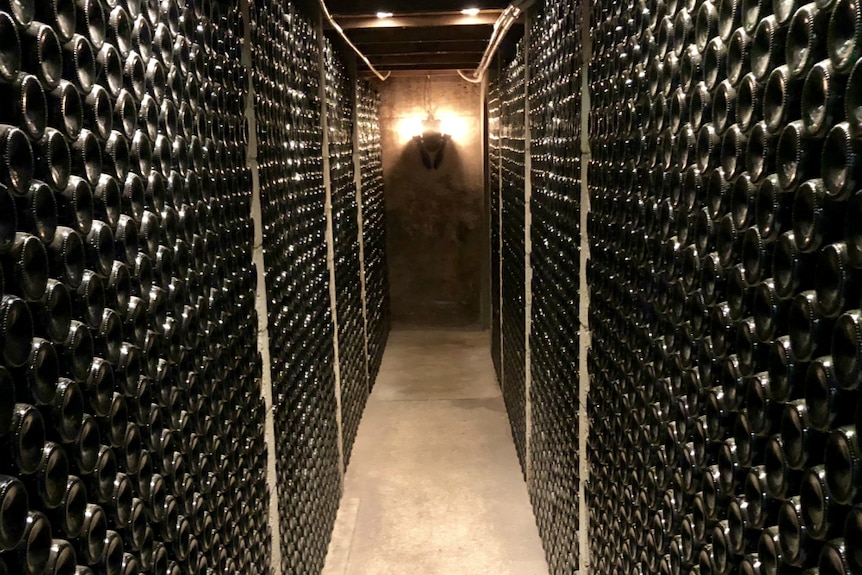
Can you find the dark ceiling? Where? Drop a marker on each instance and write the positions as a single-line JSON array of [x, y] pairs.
[[421, 35]]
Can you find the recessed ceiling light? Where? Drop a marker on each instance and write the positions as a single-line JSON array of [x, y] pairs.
[[383, 15], [470, 11]]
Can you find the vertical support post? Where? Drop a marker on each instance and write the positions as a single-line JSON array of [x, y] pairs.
[[584, 297], [360, 221], [528, 253], [261, 301], [330, 244]]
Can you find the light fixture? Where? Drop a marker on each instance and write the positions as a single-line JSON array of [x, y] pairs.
[[384, 15], [470, 11], [431, 142]]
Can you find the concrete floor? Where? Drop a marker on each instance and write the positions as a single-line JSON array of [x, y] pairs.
[[434, 486]]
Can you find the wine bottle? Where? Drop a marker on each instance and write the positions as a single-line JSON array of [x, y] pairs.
[[17, 156], [797, 157], [75, 208], [806, 37], [733, 147], [762, 509], [86, 156], [112, 558], [91, 19], [100, 481], [53, 162], [823, 99], [98, 114], [77, 352], [27, 105], [69, 517], [835, 557], [85, 449], [60, 15], [749, 106], [781, 480], [843, 35], [90, 543], [10, 57], [842, 461], [109, 69], [16, 331], [67, 411], [795, 544], [126, 240], [724, 107], [738, 56], [823, 518], [803, 445], [79, 62], [811, 213], [34, 549], [841, 162], [134, 72], [125, 114], [781, 99], [13, 512], [847, 350], [792, 269], [827, 403], [749, 444], [115, 155], [756, 259], [48, 483]]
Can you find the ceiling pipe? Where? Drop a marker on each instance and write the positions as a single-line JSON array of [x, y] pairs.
[[504, 23], [340, 30]]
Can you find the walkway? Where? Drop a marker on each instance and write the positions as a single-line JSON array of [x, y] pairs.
[[434, 486]]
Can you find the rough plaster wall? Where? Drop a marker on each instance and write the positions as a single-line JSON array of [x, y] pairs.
[[435, 218]]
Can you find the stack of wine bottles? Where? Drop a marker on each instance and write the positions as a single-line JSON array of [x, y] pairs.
[[495, 118], [554, 61], [373, 226], [290, 61], [513, 247], [725, 287], [345, 223], [290, 154], [131, 424]]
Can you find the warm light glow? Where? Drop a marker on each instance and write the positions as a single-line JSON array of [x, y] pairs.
[[450, 124], [455, 126], [383, 15], [470, 11], [409, 127]]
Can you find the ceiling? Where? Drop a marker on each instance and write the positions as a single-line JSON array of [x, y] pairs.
[[422, 35]]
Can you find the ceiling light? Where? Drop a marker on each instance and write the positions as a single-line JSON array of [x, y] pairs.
[[470, 11], [383, 15]]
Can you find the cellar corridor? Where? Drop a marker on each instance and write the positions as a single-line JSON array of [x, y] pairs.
[[434, 484], [626, 234]]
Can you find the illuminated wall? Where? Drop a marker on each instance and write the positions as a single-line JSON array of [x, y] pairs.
[[435, 217]]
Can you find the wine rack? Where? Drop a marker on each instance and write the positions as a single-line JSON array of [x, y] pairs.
[[131, 413], [373, 227], [293, 199], [555, 139], [724, 287], [513, 248], [541, 84], [348, 286], [131, 419], [495, 117]]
